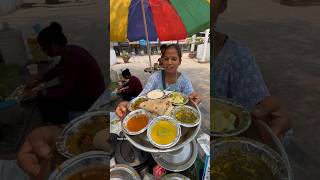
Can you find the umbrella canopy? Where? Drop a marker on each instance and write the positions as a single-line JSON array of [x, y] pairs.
[[165, 19]]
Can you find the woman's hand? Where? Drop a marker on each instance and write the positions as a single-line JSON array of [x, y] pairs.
[[195, 97], [34, 82], [37, 147], [271, 112], [119, 91], [30, 92], [122, 109]]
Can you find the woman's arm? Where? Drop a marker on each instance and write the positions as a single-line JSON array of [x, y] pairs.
[[53, 73]]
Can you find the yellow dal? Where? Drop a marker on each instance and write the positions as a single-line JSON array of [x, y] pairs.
[[164, 132]]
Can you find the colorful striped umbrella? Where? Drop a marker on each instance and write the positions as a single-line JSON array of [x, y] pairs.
[[158, 19]]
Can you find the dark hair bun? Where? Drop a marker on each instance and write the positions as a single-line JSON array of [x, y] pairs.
[[126, 70], [56, 27]]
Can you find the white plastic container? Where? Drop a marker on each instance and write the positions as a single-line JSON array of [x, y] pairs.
[[12, 46], [200, 51], [113, 57], [7, 6]]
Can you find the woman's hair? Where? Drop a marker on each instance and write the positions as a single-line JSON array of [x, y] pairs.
[[176, 47], [52, 34], [163, 46], [126, 72]]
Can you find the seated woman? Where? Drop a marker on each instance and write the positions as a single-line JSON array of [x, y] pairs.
[[130, 89], [237, 76], [169, 79], [81, 80]]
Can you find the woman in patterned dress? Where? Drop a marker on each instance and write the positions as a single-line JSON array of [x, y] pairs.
[[174, 80], [236, 76]]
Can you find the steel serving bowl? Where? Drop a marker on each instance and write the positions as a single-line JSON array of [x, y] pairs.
[[133, 114], [156, 90], [185, 98], [169, 119], [190, 109]]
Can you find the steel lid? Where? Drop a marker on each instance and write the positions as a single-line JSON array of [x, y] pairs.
[[178, 160]]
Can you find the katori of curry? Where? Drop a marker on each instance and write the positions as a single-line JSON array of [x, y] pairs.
[[164, 132], [137, 123]]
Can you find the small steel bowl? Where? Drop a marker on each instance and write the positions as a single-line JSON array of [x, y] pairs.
[[163, 94], [185, 98], [132, 114], [166, 118], [133, 101], [188, 108], [122, 171]]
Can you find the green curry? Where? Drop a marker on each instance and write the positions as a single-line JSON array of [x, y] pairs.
[[186, 116]]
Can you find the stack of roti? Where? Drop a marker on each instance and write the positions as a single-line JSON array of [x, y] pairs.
[[158, 106]]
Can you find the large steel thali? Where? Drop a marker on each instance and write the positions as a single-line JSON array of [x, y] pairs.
[[187, 135]]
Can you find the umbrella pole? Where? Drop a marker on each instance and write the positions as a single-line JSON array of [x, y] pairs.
[[146, 31]]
